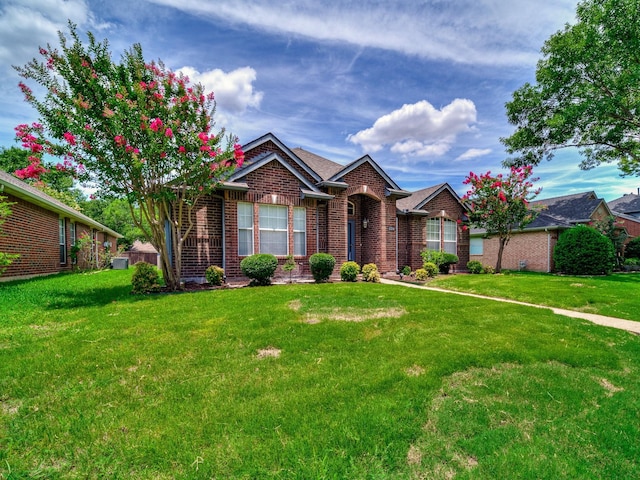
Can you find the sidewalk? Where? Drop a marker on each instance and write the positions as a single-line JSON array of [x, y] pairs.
[[628, 325]]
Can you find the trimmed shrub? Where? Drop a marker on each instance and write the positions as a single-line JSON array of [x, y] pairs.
[[214, 275], [489, 269], [145, 279], [475, 267], [432, 256], [349, 271], [370, 273], [583, 250], [632, 249], [422, 275], [259, 268], [321, 265], [406, 270], [448, 259], [431, 268]]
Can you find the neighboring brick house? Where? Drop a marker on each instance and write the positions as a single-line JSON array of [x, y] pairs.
[[290, 201], [626, 209], [532, 248], [42, 231], [432, 218]]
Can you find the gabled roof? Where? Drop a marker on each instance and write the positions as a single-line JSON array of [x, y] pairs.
[[420, 198], [628, 203], [337, 177], [20, 189], [571, 209]]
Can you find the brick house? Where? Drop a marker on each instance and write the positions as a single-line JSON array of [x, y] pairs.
[[290, 201], [431, 218], [626, 209], [532, 248], [42, 231]]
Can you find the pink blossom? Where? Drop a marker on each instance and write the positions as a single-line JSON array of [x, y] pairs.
[[120, 140], [168, 133], [181, 149], [108, 113], [119, 96], [155, 124], [68, 136], [87, 127], [204, 138]]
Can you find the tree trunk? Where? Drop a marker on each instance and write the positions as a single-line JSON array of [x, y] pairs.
[[503, 243]]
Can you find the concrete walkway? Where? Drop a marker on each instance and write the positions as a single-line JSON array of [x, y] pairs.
[[629, 325]]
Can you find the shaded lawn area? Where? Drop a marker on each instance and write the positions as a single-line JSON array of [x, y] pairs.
[[616, 295], [307, 381]]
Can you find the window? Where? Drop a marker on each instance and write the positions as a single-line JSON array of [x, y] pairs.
[[450, 236], [442, 235], [475, 246], [245, 229], [72, 241], [351, 208], [274, 226], [299, 232], [433, 234], [62, 235]]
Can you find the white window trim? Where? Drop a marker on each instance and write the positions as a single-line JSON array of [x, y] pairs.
[[303, 232], [248, 229]]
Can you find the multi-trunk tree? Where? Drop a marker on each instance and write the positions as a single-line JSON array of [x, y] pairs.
[[136, 129], [501, 204]]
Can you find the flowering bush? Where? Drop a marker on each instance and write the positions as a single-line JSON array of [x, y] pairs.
[[136, 129], [349, 271]]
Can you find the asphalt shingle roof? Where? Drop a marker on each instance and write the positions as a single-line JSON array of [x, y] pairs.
[[322, 166], [416, 198], [629, 203]]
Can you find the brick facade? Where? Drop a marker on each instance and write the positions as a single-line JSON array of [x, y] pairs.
[[525, 251], [32, 231]]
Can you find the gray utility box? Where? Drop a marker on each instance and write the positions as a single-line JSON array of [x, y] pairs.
[[120, 263]]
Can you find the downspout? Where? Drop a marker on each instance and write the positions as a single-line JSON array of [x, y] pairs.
[[548, 250], [224, 238]]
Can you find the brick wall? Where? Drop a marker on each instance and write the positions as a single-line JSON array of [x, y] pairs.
[[32, 232], [534, 248]]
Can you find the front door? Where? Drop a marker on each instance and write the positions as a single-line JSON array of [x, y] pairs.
[[351, 240]]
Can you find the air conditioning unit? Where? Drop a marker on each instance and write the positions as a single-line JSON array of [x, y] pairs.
[[120, 263]]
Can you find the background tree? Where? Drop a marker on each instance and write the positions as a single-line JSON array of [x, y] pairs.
[[139, 130], [6, 259], [117, 215], [587, 93], [500, 204], [614, 231], [55, 182]]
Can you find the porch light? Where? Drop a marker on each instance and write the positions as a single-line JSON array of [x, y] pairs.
[[365, 223]]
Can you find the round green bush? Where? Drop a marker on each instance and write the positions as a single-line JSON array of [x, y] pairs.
[[632, 249], [214, 275], [321, 265], [406, 270], [259, 268], [145, 279], [422, 275], [474, 266], [583, 250], [370, 273], [349, 271], [431, 268]]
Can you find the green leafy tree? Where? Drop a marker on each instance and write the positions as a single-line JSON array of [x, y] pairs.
[[116, 215], [615, 232], [500, 204], [6, 259], [587, 93], [139, 130]]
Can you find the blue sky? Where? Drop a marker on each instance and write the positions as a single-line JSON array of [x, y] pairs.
[[420, 85]]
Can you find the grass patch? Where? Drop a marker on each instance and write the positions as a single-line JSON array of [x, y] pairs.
[[97, 383], [615, 295]]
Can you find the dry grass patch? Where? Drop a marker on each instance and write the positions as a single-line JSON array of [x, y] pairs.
[[354, 314], [610, 387], [415, 371], [269, 352]]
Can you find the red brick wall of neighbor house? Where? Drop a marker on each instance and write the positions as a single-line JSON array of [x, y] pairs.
[[633, 228], [377, 243], [32, 232], [535, 248]]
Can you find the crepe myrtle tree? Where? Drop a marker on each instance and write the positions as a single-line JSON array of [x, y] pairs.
[[136, 129], [500, 204]]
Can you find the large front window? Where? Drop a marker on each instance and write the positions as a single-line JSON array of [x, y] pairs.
[[274, 229], [299, 232], [245, 229], [442, 235]]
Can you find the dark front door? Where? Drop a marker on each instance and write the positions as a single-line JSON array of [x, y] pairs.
[[351, 240]]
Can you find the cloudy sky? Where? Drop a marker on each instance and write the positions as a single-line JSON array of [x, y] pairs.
[[420, 85]]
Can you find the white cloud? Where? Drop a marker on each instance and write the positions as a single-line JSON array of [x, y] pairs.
[[233, 91], [490, 32], [418, 129], [25, 24], [474, 153]]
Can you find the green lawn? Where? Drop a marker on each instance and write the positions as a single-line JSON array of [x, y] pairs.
[[615, 295], [307, 381]]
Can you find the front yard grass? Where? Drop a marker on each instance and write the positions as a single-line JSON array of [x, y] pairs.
[[615, 295], [307, 381]]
